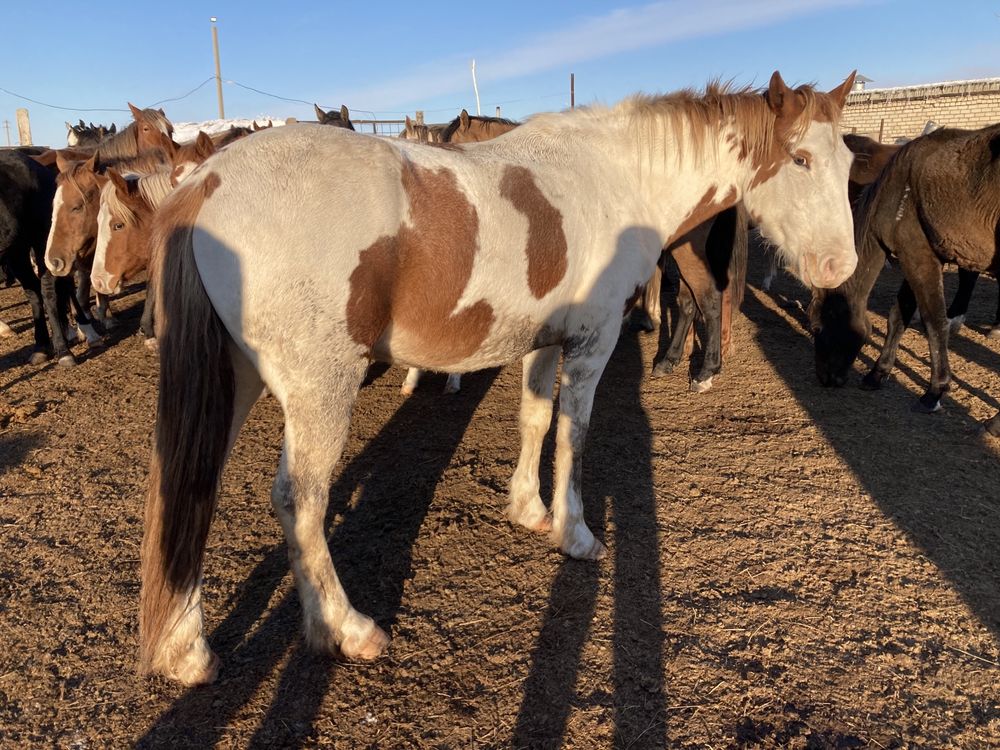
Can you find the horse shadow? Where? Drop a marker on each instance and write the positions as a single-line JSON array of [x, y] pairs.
[[388, 510], [618, 482], [930, 474]]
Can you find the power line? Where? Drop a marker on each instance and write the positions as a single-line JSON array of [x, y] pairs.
[[56, 106], [185, 96]]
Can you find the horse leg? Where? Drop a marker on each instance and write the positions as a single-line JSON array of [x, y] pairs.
[[772, 273], [525, 504], [147, 323], [995, 330], [316, 428], [685, 319], [960, 304], [20, 268], [899, 319], [453, 384], [711, 310], [81, 303], [55, 310], [930, 299], [410, 384], [103, 312], [727, 322], [650, 301], [584, 360]]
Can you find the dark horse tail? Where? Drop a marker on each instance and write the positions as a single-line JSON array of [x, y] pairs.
[[194, 417]]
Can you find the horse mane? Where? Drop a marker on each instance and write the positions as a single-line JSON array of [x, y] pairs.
[[150, 160], [155, 186], [117, 206], [452, 127], [706, 113]]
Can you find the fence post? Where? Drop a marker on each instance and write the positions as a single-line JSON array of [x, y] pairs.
[[420, 117], [23, 127], [881, 127]]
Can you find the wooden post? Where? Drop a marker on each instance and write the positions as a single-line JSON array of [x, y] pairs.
[[881, 128], [572, 91], [498, 110], [218, 70], [420, 117], [6, 129], [23, 127]]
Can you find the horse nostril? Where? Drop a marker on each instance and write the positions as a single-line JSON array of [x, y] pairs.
[[56, 265]]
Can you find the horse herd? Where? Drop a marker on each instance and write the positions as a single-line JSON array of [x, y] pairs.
[[289, 259]]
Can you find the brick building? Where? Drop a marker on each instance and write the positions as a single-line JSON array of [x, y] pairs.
[[903, 112]]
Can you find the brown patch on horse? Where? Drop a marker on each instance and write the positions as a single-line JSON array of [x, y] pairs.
[[412, 281], [546, 248], [704, 210]]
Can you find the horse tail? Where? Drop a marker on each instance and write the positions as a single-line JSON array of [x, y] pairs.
[[194, 418], [738, 259]]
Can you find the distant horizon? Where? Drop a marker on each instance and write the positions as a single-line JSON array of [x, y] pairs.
[[384, 63]]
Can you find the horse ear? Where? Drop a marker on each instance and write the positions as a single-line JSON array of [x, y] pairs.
[[113, 128], [62, 163], [839, 94], [136, 112], [409, 125], [781, 99], [320, 114], [117, 180], [69, 128], [464, 118], [344, 114], [160, 110], [203, 145], [81, 123]]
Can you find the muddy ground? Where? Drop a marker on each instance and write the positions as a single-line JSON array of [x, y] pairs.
[[788, 566]]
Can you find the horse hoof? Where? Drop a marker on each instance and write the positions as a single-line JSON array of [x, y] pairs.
[[700, 386], [992, 426], [994, 332], [67, 360], [192, 673], [927, 404], [663, 367], [955, 324], [365, 649], [151, 344], [406, 389], [454, 385], [5, 330], [872, 381], [38, 358]]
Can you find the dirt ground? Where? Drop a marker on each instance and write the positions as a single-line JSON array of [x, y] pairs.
[[788, 566]]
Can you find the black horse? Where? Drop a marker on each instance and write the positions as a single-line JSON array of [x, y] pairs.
[[937, 201], [341, 119], [26, 193], [960, 303]]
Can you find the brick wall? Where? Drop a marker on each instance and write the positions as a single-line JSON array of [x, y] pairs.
[[906, 110]]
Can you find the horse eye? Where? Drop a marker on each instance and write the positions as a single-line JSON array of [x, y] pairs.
[[800, 161], [77, 209], [118, 226]]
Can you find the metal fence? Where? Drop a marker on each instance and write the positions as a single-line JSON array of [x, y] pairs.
[[387, 128]]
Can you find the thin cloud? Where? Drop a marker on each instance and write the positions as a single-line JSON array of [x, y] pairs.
[[622, 30]]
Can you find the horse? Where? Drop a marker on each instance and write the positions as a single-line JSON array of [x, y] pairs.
[[294, 258], [341, 119], [26, 191], [87, 136], [413, 131], [937, 201], [124, 220], [712, 260], [468, 128], [74, 209]]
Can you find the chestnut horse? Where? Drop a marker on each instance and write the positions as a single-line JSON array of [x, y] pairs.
[[937, 201], [294, 258]]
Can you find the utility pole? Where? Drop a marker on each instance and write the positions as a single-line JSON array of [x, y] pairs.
[[218, 68], [572, 91], [6, 128]]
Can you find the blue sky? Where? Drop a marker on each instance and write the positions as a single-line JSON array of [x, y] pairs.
[[393, 59]]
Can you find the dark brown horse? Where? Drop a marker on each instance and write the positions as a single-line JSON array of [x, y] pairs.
[[341, 119], [937, 201]]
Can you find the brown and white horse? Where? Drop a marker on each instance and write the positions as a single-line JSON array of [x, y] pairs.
[[294, 258]]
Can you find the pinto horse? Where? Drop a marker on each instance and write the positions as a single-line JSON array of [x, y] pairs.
[[527, 246], [937, 201]]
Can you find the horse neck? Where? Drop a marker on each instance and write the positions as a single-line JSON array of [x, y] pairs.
[[120, 146]]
